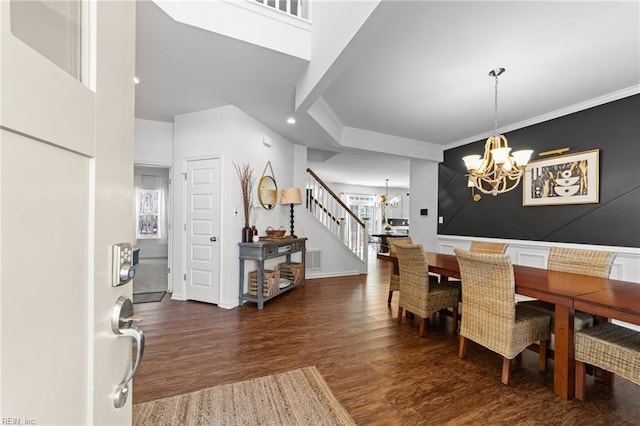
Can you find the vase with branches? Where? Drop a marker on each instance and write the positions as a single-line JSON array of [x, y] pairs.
[[247, 181]]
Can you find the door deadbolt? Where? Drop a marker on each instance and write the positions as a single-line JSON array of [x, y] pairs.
[[122, 259]]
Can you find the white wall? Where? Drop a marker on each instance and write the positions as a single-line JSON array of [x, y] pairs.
[[423, 176], [234, 136], [153, 142]]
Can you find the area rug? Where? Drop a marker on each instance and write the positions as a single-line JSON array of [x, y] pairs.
[[155, 296], [297, 397]]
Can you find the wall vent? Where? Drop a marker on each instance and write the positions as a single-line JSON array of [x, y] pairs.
[[312, 260]]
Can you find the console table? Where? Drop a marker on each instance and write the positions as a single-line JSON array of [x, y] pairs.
[[261, 251]]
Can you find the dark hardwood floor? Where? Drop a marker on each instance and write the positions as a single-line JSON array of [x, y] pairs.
[[382, 372]]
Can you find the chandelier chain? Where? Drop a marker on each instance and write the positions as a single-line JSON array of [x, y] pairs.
[[495, 116]]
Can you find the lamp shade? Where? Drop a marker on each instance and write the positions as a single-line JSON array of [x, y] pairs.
[[291, 196], [472, 162]]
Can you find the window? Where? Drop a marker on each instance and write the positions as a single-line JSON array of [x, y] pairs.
[[148, 214], [150, 204], [54, 28]]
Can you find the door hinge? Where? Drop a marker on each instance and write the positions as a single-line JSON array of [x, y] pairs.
[[185, 277], [169, 181], [185, 226], [168, 270]]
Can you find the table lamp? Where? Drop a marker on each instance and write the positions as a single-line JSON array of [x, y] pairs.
[[291, 196]]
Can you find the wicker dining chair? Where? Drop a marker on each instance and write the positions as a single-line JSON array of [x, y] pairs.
[[483, 247], [420, 295], [487, 247], [491, 316], [394, 279], [575, 261], [608, 346]]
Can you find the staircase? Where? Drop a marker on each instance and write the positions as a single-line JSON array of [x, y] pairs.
[[335, 216]]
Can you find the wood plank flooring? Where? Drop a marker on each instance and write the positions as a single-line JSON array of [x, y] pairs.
[[382, 372]]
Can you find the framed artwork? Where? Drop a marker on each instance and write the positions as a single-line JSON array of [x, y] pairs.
[[568, 179]]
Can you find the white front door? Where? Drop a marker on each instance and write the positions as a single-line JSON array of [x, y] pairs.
[[66, 173], [203, 230]]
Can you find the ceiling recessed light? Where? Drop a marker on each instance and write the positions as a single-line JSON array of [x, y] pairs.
[[136, 80], [291, 120]]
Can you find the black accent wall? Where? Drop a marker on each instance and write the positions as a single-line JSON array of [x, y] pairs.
[[614, 128]]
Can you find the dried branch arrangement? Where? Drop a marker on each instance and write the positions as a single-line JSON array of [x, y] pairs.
[[247, 181]]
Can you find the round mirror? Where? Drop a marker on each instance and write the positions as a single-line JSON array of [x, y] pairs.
[[268, 192]]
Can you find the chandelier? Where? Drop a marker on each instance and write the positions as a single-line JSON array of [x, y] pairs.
[[499, 170], [384, 199]]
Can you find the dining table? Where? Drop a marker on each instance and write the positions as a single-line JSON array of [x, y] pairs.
[[605, 297]]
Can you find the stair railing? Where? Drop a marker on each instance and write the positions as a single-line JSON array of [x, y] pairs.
[[298, 8], [336, 216]]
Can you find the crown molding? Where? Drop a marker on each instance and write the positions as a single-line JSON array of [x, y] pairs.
[[594, 102]]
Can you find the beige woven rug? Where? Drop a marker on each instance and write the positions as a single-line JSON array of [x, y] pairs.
[[297, 397]]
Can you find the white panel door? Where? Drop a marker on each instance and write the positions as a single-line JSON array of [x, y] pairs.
[[66, 173], [203, 230]]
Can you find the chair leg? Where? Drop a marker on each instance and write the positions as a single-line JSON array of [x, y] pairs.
[[506, 370], [604, 375], [542, 355], [424, 322], [399, 314], [454, 317], [462, 348], [580, 372], [389, 299]]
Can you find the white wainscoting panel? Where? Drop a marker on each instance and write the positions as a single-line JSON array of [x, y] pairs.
[[626, 265], [529, 258]]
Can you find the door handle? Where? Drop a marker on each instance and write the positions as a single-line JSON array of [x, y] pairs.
[[213, 239], [122, 320]]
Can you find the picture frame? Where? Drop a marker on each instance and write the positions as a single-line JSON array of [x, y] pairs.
[[567, 179]]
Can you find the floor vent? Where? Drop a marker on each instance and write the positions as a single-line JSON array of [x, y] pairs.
[[312, 260]]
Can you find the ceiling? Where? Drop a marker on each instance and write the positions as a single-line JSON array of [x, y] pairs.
[[419, 73]]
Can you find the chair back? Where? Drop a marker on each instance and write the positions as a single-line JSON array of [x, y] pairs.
[[488, 247], [488, 297], [414, 273], [578, 261], [394, 240]]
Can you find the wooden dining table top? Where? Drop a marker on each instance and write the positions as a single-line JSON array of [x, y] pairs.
[[619, 302]]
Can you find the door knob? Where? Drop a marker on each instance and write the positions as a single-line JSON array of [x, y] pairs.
[[213, 239], [122, 320]]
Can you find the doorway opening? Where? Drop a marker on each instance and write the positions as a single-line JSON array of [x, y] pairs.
[[152, 185]]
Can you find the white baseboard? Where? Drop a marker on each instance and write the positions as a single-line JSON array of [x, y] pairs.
[[333, 274]]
